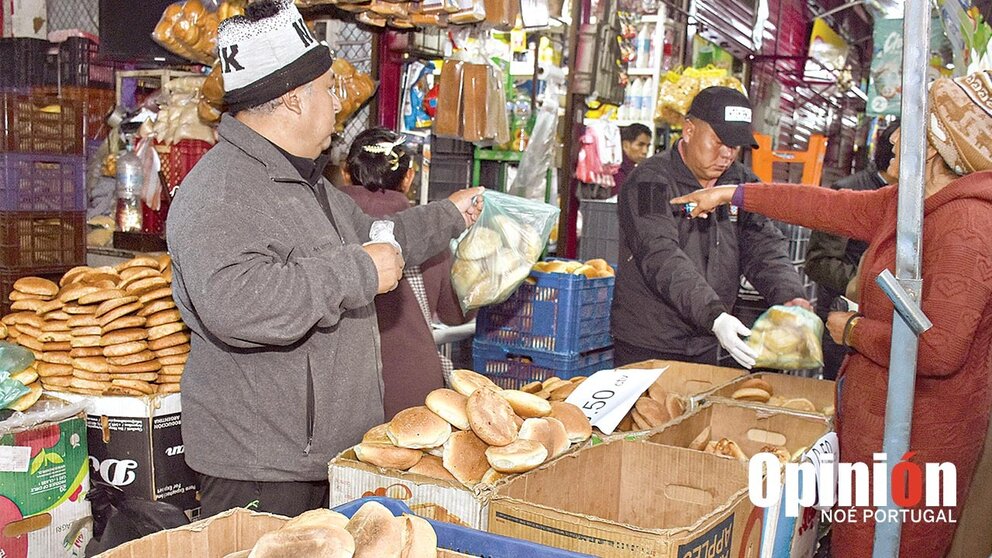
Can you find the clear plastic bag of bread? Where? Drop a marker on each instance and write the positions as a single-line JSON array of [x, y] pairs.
[[787, 338], [496, 254], [189, 28]]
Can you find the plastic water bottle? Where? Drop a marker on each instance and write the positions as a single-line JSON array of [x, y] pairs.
[[644, 46], [647, 92], [634, 112], [129, 181]]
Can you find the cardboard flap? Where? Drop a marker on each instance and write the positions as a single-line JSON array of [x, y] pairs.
[[690, 379], [821, 393]]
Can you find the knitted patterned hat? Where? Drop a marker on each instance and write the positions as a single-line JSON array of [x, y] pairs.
[[266, 53], [960, 125]]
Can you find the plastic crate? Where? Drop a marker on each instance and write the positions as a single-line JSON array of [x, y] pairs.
[[36, 239], [513, 368], [562, 313], [178, 159], [39, 182], [75, 56], [448, 174], [600, 231], [23, 61], [96, 105], [10, 276], [40, 124], [465, 540]]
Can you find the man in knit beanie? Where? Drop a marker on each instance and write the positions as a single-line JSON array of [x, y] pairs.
[[275, 275]]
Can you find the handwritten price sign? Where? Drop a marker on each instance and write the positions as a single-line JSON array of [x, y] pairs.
[[607, 396]]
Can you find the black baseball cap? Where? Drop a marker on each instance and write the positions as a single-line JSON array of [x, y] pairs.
[[728, 112]]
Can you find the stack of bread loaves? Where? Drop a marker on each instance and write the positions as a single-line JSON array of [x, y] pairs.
[[373, 532], [475, 433], [756, 390], [107, 330]]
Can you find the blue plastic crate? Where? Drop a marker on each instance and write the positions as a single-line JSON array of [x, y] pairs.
[[42, 182], [511, 368], [467, 541], [561, 313]]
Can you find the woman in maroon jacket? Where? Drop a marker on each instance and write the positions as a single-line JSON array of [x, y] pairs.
[[381, 171], [954, 370]]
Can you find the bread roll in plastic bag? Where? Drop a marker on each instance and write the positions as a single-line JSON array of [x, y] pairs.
[[787, 338], [496, 254]]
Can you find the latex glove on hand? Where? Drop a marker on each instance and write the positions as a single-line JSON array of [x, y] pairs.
[[728, 331]]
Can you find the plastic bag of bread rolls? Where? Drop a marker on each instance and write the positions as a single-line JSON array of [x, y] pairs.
[[189, 28], [787, 338], [496, 254]]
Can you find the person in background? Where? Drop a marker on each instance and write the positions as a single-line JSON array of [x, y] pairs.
[[635, 140], [832, 261], [380, 172], [678, 278], [953, 380], [275, 274]]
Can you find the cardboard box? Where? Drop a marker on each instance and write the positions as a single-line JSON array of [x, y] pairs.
[[633, 499], [43, 485], [214, 537], [821, 393], [350, 479], [136, 444], [694, 381], [752, 428]]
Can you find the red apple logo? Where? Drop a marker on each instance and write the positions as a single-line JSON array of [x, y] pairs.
[[11, 547]]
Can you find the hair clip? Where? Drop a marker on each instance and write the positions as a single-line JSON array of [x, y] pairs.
[[388, 149]]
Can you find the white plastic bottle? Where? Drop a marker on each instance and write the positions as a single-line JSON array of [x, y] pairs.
[[644, 46], [647, 93], [636, 88]]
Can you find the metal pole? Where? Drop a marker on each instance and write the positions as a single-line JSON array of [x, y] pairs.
[[905, 343]]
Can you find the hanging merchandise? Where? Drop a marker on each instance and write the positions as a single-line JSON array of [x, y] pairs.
[[600, 155], [211, 104], [353, 89], [502, 14], [415, 116], [678, 89], [530, 181], [178, 116], [496, 254], [189, 29]]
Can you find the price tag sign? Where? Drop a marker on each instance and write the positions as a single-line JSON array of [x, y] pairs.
[[827, 444], [607, 396], [14, 459]]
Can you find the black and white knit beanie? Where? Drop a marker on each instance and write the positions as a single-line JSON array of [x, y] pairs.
[[267, 52]]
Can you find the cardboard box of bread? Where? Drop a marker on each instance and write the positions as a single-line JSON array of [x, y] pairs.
[[780, 392], [103, 331], [44, 481], [443, 458], [636, 499], [736, 431]]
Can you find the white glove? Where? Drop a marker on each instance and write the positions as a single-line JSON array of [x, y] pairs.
[[728, 330]]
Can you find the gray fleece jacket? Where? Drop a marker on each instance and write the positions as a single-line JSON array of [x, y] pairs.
[[285, 369]]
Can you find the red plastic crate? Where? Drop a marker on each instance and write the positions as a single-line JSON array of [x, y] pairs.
[[96, 104], [36, 239], [41, 182], [9, 276], [37, 124], [180, 158]]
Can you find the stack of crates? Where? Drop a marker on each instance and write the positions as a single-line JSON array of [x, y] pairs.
[[42, 188], [555, 324]]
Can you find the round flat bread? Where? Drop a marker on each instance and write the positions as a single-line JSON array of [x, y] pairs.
[[83, 352], [125, 349], [168, 388], [133, 274], [76, 310], [92, 376], [55, 337], [143, 356], [102, 296], [57, 357], [160, 293], [92, 364], [173, 359], [127, 322], [181, 349], [165, 330], [36, 286], [146, 285], [55, 325], [137, 368], [84, 320], [119, 312], [86, 331], [121, 336], [87, 341], [173, 340], [70, 276], [172, 369], [49, 307], [74, 292], [81, 383], [47, 369], [107, 306], [157, 306], [30, 305], [52, 383], [139, 261], [143, 376], [164, 317]]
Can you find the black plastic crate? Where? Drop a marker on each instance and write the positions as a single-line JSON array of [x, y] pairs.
[[76, 57], [24, 62], [451, 146], [448, 175]]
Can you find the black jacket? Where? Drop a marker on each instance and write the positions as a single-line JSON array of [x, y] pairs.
[[676, 274], [832, 261]]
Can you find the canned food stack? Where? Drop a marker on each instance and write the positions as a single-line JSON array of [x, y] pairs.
[[103, 331]]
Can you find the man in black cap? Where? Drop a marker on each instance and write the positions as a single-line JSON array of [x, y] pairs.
[[679, 277]]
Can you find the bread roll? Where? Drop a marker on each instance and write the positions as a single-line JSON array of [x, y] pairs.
[[74, 292], [169, 341], [97, 297], [492, 477], [317, 518], [519, 457], [479, 243], [449, 405], [729, 448], [418, 428], [49, 307], [562, 391], [377, 435], [312, 542], [525, 404], [800, 404], [549, 432], [639, 421], [83, 320], [125, 349], [55, 325], [491, 418], [465, 274], [143, 356], [377, 533], [124, 336], [163, 317], [757, 383], [157, 306], [387, 456], [420, 538], [118, 312], [24, 402], [466, 382], [36, 286], [83, 352], [465, 457], [576, 424], [164, 330], [433, 467], [651, 411], [139, 261], [532, 387], [751, 394]]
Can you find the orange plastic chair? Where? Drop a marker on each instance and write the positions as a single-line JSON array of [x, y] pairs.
[[763, 159]]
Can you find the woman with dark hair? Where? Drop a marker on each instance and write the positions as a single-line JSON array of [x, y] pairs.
[[954, 370], [380, 172]]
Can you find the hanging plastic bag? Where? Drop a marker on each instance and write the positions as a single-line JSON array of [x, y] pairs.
[[496, 254], [787, 338], [531, 178]]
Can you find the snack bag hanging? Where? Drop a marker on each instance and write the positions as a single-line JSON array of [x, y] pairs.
[[787, 338], [496, 254]]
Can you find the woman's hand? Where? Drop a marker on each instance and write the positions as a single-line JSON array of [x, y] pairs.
[[836, 322], [702, 202], [469, 202]]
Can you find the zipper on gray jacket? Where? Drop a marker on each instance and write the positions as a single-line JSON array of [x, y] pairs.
[[310, 408]]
